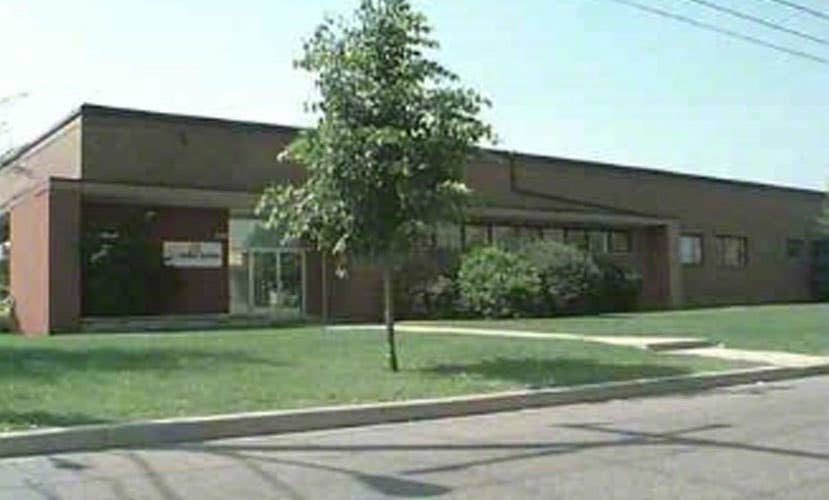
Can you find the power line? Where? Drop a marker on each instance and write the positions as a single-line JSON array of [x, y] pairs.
[[760, 21], [723, 31], [803, 8]]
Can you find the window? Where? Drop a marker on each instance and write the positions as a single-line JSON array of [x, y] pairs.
[[690, 249], [732, 251], [448, 237], [620, 242], [579, 238], [794, 248], [475, 235], [553, 233], [504, 236], [513, 236], [597, 241], [529, 233]]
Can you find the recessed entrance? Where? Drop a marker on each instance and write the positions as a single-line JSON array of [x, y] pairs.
[[265, 278], [276, 281]]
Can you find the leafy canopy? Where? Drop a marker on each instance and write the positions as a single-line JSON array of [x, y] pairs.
[[385, 160]]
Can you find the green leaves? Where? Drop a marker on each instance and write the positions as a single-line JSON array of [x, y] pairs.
[[385, 161]]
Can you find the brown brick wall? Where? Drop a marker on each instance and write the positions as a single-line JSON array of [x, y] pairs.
[[158, 150], [64, 259]]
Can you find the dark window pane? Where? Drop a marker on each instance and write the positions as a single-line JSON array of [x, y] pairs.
[[732, 251], [476, 235], [579, 238], [794, 248], [620, 242]]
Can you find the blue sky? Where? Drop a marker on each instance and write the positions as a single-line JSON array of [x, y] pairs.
[[588, 79]]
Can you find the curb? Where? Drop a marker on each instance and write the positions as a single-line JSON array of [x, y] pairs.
[[179, 430]]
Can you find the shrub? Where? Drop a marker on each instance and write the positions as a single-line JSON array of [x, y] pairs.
[[617, 289], [567, 275], [426, 286], [496, 283]]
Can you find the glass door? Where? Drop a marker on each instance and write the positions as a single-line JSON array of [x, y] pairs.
[[276, 282]]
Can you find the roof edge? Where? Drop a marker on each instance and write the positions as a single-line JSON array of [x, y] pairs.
[[88, 109], [621, 168], [20, 151]]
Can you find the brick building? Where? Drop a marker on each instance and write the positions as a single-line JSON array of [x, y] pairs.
[[695, 240]]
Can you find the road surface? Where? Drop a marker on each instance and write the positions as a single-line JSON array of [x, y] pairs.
[[758, 441]]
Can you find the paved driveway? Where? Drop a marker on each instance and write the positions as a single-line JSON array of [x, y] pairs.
[[760, 441]]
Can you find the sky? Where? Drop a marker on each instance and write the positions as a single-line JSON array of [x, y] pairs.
[[588, 79]]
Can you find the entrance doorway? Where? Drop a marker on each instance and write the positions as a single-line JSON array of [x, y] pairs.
[[276, 281], [267, 277], [268, 281]]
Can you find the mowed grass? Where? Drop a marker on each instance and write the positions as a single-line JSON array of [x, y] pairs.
[[81, 379], [802, 328]]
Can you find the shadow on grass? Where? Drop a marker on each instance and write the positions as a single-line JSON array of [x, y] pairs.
[[51, 363], [19, 420], [537, 373]]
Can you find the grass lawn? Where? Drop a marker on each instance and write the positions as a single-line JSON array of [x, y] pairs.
[[800, 328], [79, 379]]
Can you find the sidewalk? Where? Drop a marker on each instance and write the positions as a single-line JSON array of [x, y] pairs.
[[686, 346]]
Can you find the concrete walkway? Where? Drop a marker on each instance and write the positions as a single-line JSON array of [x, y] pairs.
[[688, 346], [774, 358]]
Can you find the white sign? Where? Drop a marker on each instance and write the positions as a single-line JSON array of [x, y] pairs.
[[202, 254]]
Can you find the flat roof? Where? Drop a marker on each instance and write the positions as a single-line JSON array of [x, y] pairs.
[[99, 110]]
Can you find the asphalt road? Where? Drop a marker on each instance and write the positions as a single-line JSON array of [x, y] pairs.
[[759, 441]]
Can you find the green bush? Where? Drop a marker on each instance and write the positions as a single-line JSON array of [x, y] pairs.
[[617, 289], [425, 285], [567, 275], [495, 283]]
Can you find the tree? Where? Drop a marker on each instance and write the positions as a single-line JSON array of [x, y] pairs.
[[385, 161], [5, 150]]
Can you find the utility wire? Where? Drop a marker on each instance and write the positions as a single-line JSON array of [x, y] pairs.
[[803, 8], [760, 21], [723, 31]]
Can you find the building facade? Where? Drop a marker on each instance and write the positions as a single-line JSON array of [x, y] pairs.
[[194, 183]]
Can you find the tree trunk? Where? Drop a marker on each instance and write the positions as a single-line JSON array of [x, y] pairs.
[[388, 293], [324, 286]]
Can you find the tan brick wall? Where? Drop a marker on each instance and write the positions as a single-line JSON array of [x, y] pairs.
[[29, 264], [57, 156]]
